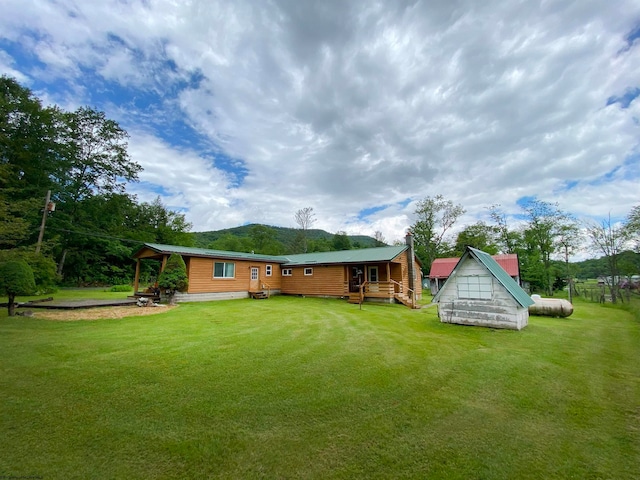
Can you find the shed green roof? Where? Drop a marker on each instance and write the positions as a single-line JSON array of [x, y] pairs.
[[365, 255]]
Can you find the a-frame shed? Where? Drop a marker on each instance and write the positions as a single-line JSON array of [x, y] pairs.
[[480, 292]]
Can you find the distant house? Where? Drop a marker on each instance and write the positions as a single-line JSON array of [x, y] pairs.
[[480, 292], [441, 269], [384, 274]]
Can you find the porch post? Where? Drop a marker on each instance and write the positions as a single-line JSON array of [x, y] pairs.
[[412, 261], [136, 280]]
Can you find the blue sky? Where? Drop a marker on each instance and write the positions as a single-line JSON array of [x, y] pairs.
[[245, 112]]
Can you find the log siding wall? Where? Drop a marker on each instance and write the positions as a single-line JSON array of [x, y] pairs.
[[326, 281], [201, 276]]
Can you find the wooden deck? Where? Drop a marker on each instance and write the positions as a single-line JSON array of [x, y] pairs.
[[74, 304]]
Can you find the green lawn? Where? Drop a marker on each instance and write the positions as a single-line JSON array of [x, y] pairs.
[[311, 388]]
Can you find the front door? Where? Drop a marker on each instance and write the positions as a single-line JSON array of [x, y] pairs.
[[373, 279], [254, 284]]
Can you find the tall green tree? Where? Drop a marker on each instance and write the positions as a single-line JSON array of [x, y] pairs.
[[97, 161], [341, 241], [264, 240], [31, 161], [480, 236], [31, 154], [507, 240], [435, 218], [96, 164], [545, 224], [632, 227], [166, 226]]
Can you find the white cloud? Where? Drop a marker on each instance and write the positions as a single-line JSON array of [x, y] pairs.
[[344, 106]]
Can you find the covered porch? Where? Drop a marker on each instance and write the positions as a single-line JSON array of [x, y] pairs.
[[379, 282]]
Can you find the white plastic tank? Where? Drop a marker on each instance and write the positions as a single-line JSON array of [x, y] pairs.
[[550, 307]]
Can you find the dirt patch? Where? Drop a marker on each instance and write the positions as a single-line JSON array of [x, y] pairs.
[[100, 313]]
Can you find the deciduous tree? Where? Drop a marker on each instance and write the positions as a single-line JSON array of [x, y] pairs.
[[480, 236], [379, 238], [506, 239], [608, 239], [305, 218], [545, 224], [632, 226], [435, 218], [16, 278], [341, 241]]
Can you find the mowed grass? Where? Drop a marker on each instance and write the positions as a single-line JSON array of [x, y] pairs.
[[317, 388]]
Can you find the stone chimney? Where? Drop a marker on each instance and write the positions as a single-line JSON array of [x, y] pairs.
[[412, 260]]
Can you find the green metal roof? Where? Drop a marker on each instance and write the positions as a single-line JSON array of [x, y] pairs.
[[378, 254], [365, 255], [205, 252], [498, 273]]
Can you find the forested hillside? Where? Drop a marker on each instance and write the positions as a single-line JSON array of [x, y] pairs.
[[279, 240]]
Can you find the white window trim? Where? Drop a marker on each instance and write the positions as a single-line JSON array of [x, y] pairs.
[[308, 271], [224, 270], [287, 272], [377, 274], [269, 270]]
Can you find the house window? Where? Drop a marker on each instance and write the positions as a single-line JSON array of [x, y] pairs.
[[269, 270], [373, 274], [224, 270], [254, 273], [286, 272], [476, 287], [308, 271]]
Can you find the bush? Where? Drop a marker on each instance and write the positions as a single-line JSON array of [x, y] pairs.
[[121, 288], [174, 276], [16, 278]]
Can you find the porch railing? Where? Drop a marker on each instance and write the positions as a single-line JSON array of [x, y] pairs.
[[268, 287]]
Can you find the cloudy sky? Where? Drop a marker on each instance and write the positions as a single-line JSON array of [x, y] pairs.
[[247, 111]]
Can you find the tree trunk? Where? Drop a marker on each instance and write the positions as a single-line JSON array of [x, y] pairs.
[[61, 264], [12, 304]]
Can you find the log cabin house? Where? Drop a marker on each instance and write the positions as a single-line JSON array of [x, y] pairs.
[[382, 274]]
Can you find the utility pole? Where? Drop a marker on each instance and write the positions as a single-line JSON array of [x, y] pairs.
[[569, 280], [48, 207]]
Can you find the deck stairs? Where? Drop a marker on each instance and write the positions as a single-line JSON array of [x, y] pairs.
[[405, 300], [354, 298], [259, 295]]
